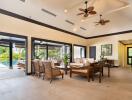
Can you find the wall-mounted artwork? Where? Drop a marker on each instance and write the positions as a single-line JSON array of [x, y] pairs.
[[106, 50]]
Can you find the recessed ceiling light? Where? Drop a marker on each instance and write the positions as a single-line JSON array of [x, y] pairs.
[[74, 29], [65, 10]]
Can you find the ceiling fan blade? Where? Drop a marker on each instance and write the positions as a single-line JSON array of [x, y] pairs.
[[90, 8], [81, 9], [80, 14], [96, 22], [92, 12], [102, 23], [106, 21]]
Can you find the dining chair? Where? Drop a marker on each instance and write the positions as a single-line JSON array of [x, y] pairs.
[[38, 68]]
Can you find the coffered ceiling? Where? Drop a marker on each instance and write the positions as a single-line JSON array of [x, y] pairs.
[[126, 42], [63, 14]]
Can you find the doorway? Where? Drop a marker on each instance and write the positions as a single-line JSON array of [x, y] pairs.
[[125, 53], [92, 52], [13, 49]]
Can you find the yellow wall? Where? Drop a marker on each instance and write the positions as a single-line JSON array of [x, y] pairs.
[[121, 54], [20, 27], [126, 65]]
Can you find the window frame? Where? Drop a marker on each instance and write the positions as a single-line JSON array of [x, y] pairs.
[[128, 55], [85, 49], [39, 39]]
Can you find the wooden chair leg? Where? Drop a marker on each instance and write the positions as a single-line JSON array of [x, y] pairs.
[[100, 77], [102, 71], [108, 71], [88, 78], [62, 76], [70, 74], [43, 76], [92, 75]]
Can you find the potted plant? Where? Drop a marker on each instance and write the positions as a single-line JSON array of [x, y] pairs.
[[65, 60]]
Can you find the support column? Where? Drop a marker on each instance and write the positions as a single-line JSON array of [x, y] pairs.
[[28, 67], [46, 51], [10, 55]]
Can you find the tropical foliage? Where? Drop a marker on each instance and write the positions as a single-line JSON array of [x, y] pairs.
[[53, 53], [4, 55], [65, 59]]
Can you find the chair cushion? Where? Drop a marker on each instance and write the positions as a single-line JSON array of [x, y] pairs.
[[86, 62], [77, 64], [80, 71], [56, 72], [78, 60]]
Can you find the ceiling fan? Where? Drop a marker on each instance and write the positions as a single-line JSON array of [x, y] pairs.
[[87, 11], [102, 21]]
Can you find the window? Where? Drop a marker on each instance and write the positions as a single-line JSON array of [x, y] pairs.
[[129, 55], [55, 52], [48, 50], [4, 54], [79, 52], [40, 52]]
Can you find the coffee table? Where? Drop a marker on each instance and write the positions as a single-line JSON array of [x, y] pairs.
[[62, 67]]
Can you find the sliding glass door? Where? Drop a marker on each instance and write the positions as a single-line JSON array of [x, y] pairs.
[[54, 52], [40, 52], [50, 50], [79, 51], [18, 54], [4, 55]]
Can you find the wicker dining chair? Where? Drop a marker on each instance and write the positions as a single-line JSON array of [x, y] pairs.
[[98, 68], [38, 68], [51, 72]]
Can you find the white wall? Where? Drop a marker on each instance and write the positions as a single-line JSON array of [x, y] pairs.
[[16, 26], [109, 40], [20, 27]]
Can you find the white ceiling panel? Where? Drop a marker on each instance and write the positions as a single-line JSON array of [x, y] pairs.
[[117, 11]]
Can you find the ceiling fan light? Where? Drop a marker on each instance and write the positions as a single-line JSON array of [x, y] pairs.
[[65, 10]]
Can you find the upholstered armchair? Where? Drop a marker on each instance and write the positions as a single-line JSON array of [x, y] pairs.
[[83, 71], [51, 72]]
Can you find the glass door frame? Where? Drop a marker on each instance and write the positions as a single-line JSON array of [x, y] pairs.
[[39, 39], [11, 46]]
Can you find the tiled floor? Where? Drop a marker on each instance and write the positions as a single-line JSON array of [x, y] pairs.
[[7, 73], [117, 87]]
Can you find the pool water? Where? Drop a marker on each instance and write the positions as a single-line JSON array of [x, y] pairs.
[[6, 63]]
